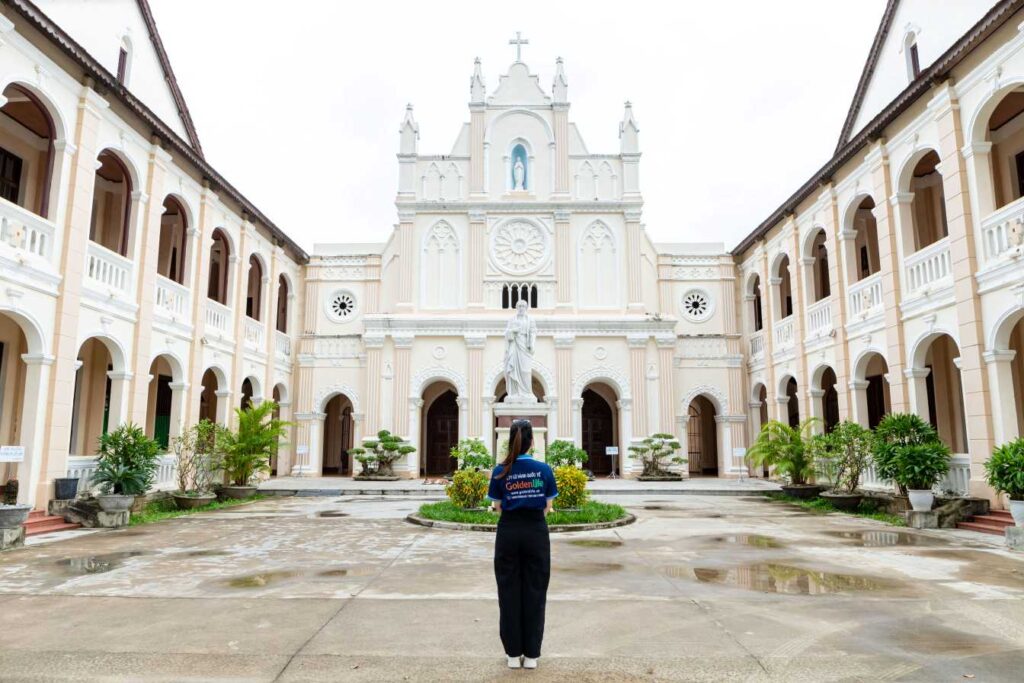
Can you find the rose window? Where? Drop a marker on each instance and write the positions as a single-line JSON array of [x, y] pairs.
[[696, 305], [341, 305], [519, 247]]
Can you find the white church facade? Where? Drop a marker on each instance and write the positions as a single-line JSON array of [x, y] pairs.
[[137, 284]]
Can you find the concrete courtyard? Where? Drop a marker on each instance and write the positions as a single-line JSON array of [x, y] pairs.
[[341, 588]]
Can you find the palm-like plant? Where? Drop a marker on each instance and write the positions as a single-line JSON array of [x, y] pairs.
[[127, 461], [247, 450], [896, 432], [787, 449]]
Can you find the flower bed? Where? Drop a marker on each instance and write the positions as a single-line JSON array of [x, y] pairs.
[[590, 515]]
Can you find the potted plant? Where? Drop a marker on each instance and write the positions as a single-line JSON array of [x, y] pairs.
[[572, 487], [196, 453], [125, 468], [65, 488], [652, 452], [1005, 473], [893, 432], [13, 515], [841, 456], [787, 449], [468, 488], [472, 454], [917, 468], [245, 452], [563, 453], [383, 452]]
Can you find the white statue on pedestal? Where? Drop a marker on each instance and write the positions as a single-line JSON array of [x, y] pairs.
[[518, 176], [520, 336]]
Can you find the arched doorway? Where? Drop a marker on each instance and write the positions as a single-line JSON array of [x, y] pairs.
[[172, 254], [160, 404], [785, 288], [760, 404], [111, 204], [440, 429], [792, 416], [702, 438], [829, 400], [26, 150], [208, 397], [599, 429], [220, 260], [944, 392], [871, 389], [247, 394], [338, 431], [90, 415], [274, 456], [13, 391]]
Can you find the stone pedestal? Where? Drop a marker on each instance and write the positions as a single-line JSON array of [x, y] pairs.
[[920, 519], [87, 512], [1015, 538], [12, 538], [536, 413]]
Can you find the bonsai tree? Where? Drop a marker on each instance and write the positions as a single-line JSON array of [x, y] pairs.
[[468, 488], [843, 454], [127, 461], [652, 453], [196, 453], [363, 458], [386, 450], [565, 453], [895, 432], [572, 487], [787, 449], [1005, 469], [472, 454], [246, 451]]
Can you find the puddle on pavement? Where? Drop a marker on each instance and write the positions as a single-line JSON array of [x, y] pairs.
[[203, 553], [342, 572], [753, 540], [95, 564], [331, 513], [590, 568], [885, 538], [595, 543], [942, 640], [983, 567], [787, 580], [258, 580]]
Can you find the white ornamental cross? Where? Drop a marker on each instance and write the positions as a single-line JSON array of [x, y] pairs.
[[519, 41]]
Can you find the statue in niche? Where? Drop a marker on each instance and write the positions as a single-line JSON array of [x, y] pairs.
[[520, 336], [518, 176]]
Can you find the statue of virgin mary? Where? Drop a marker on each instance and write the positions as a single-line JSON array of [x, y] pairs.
[[520, 336]]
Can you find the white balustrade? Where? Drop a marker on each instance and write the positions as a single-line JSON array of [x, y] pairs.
[[83, 467], [757, 345], [928, 268], [784, 334], [218, 316], [253, 333], [1003, 232], [172, 299], [959, 476], [24, 231], [283, 344], [107, 270], [819, 319], [865, 297]]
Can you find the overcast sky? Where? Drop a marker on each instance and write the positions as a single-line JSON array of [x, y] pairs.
[[298, 103]]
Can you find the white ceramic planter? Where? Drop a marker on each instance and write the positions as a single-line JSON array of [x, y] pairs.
[[921, 501], [1017, 511]]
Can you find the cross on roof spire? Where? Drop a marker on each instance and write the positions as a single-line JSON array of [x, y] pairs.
[[519, 41]]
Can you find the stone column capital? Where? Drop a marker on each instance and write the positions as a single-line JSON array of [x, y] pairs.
[[916, 373], [1000, 356]]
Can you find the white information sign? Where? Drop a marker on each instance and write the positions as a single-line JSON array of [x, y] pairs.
[[12, 454], [611, 450]]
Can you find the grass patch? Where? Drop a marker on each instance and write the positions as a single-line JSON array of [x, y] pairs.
[[160, 510], [591, 512], [868, 508]]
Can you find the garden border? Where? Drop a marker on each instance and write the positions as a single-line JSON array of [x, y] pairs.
[[554, 528]]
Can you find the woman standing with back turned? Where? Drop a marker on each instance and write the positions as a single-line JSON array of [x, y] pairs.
[[522, 490]]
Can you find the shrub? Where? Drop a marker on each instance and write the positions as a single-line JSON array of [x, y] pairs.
[[572, 487], [653, 451], [247, 450], [127, 461], [196, 451], [920, 466], [468, 488], [787, 449], [842, 454], [562, 452], [385, 450], [1005, 469], [895, 432], [472, 454]]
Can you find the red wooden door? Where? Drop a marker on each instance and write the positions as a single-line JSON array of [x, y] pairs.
[[442, 435], [597, 432]]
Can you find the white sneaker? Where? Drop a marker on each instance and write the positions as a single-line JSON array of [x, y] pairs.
[[529, 663], [516, 663]]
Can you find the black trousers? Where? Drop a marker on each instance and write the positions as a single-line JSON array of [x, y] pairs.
[[522, 568]]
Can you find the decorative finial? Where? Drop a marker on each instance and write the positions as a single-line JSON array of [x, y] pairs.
[[519, 41]]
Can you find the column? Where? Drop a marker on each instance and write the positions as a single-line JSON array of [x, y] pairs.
[[179, 392], [34, 479], [797, 275], [241, 272], [666, 375], [815, 409], [406, 261], [473, 425], [487, 423], [917, 391], [270, 322], [285, 457], [859, 392], [638, 383], [577, 422], [403, 353], [224, 407], [464, 421], [839, 255], [477, 159], [199, 243], [477, 258], [682, 433], [560, 116], [374, 345], [563, 378], [633, 237], [305, 442], [563, 260], [1004, 408], [412, 415], [626, 434], [769, 314]]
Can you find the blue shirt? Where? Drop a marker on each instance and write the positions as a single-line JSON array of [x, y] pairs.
[[529, 485]]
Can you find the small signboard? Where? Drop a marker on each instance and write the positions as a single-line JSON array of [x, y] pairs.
[[12, 454], [611, 450], [302, 450]]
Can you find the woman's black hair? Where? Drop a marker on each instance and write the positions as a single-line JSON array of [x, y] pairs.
[[520, 440]]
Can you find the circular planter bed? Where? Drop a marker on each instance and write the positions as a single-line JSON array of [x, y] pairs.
[[13, 516], [186, 502], [238, 492], [661, 477], [802, 491], [375, 477], [843, 501], [592, 515], [115, 503]]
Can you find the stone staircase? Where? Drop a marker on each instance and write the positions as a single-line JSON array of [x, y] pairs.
[[39, 522], [995, 522]]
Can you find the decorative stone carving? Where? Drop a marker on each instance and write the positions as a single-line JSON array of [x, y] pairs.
[[697, 305], [341, 305], [714, 393], [329, 392], [519, 247]]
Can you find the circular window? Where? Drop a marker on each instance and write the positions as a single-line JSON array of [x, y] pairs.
[[519, 247], [696, 305], [341, 305]]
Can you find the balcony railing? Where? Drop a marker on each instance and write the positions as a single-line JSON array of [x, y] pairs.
[[253, 334], [865, 297], [819, 319], [283, 344], [172, 300], [956, 480], [784, 334], [24, 231], [757, 345], [218, 317], [1003, 231], [107, 270], [928, 268]]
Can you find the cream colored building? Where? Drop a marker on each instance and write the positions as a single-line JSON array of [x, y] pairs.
[[138, 284]]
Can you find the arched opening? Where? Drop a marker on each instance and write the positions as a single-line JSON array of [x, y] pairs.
[[829, 400], [792, 403], [160, 403], [600, 426], [928, 207], [865, 243], [13, 391], [90, 412], [785, 288], [1005, 130], [702, 438], [1016, 346], [26, 150], [111, 204], [756, 303], [513, 293], [874, 404], [944, 391], [910, 54], [519, 169], [208, 397], [440, 431], [275, 461], [761, 408], [254, 288], [820, 287], [282, 304], [220, 253], [171, 261], [247, 394], [500, 392], [338, 433]]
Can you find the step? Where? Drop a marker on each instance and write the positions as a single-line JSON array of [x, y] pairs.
[[39, 522], [994, 520], [983, 527]]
